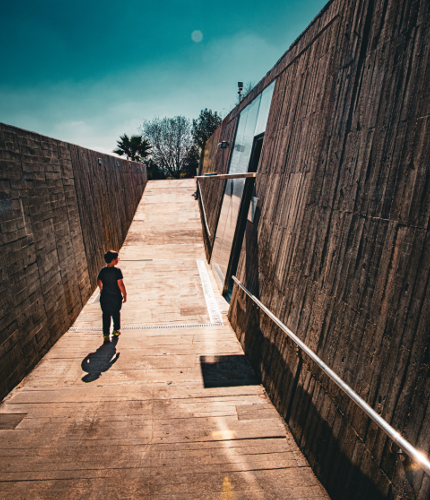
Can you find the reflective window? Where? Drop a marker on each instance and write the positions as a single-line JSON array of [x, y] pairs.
[[244, 138], [263, 113], [252, 122]]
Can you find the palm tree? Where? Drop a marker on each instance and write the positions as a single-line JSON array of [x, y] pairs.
[[134, 147]]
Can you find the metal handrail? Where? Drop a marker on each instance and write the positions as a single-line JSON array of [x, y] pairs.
[[245, 175], [404, 445], [203, 208]]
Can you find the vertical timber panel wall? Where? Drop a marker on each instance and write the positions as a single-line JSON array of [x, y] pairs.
[[107, 197], [340, 246], [59, 212]]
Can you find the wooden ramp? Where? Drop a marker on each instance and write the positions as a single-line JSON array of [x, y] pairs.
[[170, 411]]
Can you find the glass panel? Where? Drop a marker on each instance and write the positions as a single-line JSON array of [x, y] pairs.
[[234, 189], [250, 122], [243, 143], [227, 225], [263, 114]]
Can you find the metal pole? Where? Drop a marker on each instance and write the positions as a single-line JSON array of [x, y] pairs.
[[203, 209], [404, 445], [214, 175]]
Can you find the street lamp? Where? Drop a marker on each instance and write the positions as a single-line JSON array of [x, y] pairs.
[[240, 86]]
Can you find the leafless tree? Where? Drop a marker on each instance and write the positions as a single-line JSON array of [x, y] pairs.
[[171, 142]]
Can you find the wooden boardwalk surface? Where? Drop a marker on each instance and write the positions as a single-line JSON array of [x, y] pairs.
[[170, 411]]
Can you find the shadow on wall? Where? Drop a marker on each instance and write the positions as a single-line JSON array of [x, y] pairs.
[[339, 467], [317, 428]]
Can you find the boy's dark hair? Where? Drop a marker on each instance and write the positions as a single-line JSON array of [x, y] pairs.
[[110, 255]]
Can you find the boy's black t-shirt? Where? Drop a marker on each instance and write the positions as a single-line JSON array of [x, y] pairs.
[[109, 276]]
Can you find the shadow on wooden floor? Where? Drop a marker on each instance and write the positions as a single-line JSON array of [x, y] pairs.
[[227, 371]]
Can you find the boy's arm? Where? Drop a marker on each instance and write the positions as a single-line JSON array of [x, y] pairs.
[[100, 284], [123, 290]]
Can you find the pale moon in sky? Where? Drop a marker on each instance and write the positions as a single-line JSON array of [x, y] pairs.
[[197, 36]]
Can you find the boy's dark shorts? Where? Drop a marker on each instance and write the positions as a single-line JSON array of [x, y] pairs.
[[110, 302]]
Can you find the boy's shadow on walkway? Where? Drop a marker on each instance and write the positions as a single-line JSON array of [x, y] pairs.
[[100, 361]]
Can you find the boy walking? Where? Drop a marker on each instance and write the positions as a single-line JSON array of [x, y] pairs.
[[113, 293]]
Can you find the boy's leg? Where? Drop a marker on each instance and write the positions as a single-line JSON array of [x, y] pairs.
[[106, 314], [116, 315], [106, 324]]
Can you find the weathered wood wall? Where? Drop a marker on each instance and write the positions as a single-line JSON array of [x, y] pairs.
[[340, 246], [59, 212]]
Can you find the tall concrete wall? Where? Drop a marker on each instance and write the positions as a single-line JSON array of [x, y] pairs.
[[340, 246], [59, 212]]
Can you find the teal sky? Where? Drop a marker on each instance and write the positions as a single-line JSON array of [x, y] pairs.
[[86, 72]]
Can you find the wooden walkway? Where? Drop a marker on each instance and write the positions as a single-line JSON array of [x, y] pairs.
[[170, 411]]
